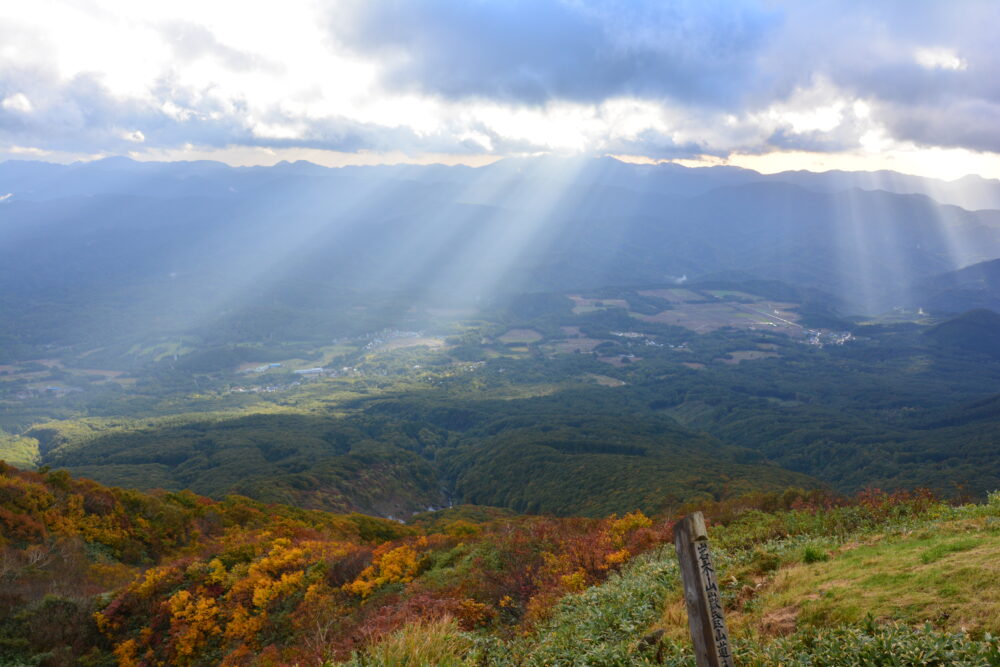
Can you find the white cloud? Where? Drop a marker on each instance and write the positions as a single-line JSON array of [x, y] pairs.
[[175, 112], [17, 102], [28, 150], [939, 58], [195, 76], [875, 141], [819, 119], [277, 130]]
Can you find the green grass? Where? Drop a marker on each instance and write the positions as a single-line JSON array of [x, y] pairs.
[[948, 576], [938, 552]]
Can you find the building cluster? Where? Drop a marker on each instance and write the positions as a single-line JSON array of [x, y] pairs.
[[821, 338], [635, 335]]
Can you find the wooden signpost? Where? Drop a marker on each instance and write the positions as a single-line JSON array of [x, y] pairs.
[[701, 593]]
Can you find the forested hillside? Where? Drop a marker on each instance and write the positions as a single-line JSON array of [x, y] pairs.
[[569, 404], [559, 336], [970, 288]]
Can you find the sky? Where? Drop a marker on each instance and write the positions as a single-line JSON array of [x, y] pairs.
[[912, 86]]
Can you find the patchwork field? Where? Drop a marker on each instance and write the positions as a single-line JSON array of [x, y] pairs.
[[574, 345], [583, 304], [619, 361], [674, 294], [39, 374], [400, 343], [705, 317], [520, 336], [604, 380], [739, 356]]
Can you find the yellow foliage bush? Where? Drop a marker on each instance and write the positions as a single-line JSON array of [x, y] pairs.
[[151, 581], [399, 565], [617, 557], [127, 654], [244, 625], [618, 528], [24, 493], [192, 622], [574, 582]]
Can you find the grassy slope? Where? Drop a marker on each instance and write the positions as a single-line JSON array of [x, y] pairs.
[[844, 586], [940, 569], [945, 574]]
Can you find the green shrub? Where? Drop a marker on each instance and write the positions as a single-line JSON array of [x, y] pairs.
[[814, 555], [871, 645]]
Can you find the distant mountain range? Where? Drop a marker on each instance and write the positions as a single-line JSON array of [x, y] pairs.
[[118, 245], [119, 175]]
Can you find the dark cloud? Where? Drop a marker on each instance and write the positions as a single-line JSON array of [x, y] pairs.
[[722, 71], [533, 51], [961, 123], [737, 56]]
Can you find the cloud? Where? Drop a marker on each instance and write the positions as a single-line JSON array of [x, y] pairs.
[[190, 41], [925, 62], [939, 59], [533, 51], [17, 102], [959, 123], [659, 78]]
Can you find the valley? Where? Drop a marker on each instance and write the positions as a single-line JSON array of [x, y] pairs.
[[434, 422], [723, 390]]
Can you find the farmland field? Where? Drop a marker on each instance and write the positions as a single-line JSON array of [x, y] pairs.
[[520, 336]]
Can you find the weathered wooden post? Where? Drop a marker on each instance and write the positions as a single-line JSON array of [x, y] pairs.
[[701, 593]]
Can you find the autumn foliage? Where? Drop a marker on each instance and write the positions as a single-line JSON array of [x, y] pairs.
[[95, 575], [196, 581]]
